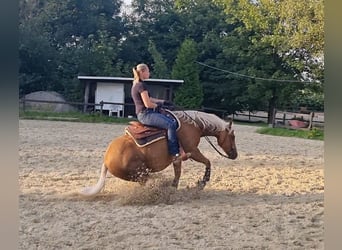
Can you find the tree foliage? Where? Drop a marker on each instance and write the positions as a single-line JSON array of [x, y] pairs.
[[294, 29], [62, 39], [285, 41], [190, 94], [237, 42], [159, 64]]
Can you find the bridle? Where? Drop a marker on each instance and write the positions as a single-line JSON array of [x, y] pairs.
[[214, 147]]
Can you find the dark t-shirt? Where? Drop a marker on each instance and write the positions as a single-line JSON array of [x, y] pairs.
[[136, 89]]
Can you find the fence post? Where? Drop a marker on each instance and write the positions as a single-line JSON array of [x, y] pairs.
[[101, 107], [86, 96], [272, 124], [274, 117], [311, 120], [23, 103]]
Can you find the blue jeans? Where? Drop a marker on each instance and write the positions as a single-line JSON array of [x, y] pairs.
[[156, 119]]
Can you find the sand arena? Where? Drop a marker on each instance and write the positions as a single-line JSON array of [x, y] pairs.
[[270, 197]]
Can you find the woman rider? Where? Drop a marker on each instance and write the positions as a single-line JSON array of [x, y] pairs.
[[147, 110]]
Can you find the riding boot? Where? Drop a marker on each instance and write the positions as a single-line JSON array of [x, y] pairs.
[[180, 157], [177, 159], [184, 155]]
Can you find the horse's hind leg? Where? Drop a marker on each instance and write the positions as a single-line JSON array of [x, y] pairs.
[[141, 175], [199, 157]]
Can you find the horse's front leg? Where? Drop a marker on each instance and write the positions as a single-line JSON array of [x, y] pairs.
[[199, 157], [177, 167]]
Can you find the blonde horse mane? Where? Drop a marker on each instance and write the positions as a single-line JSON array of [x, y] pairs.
[[205, 121]]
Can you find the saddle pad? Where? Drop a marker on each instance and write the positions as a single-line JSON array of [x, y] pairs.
[[144, 135]]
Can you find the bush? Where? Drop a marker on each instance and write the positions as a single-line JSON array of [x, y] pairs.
[[315, 133], [309, 98]]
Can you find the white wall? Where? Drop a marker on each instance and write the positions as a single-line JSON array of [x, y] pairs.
[[109, 92]]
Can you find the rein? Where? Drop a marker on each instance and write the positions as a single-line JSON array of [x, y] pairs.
[[206, 137], [212, 145]]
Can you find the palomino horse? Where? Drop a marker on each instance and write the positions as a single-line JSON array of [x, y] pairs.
[[126, 160]]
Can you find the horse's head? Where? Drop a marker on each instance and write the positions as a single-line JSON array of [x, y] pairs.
[[226, 140]]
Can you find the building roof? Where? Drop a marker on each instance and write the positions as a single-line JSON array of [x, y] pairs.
[[128, 80]]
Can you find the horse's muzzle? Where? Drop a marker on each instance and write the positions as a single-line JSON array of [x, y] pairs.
[[232, 154]]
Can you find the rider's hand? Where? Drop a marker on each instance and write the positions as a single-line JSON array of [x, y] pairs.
[[158, 107], [168, 103]]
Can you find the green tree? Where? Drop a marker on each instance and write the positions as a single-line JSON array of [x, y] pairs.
[[159, 66], [38, 59], [295, 29], [204, 22], [280, 46], [62, 39], [89, 56], [190, 94], [152, 20], [70, 19], [59, 40]]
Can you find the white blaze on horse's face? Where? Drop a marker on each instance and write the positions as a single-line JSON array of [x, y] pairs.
[[230, 142], [229, 127]]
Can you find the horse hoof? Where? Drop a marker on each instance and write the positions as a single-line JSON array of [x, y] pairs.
[[174, 184], [201, 184]]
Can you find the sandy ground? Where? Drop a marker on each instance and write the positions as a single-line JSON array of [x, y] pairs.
[[270, 197]]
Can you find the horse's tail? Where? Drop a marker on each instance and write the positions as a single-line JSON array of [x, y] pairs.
[[92, 190]]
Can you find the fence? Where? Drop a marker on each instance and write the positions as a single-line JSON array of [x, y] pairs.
[[284, 118], [25, 104], [281, 118]]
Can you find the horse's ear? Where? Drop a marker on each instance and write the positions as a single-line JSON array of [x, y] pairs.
[[229, 125]]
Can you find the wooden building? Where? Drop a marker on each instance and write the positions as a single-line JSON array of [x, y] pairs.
[[117, 91]]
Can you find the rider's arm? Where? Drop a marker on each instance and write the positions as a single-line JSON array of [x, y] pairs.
[[147, 100], [156, 100]]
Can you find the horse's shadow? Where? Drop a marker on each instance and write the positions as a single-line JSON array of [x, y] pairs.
[[160, 191]]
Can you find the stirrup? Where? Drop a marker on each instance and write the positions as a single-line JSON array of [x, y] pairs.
[[177, 159]]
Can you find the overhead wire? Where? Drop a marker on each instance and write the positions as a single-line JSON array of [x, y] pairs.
[[251, 77]]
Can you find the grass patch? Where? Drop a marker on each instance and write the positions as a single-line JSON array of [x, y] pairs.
[[314, 134], [72, 116]]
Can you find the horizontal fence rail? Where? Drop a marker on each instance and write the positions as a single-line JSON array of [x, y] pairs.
[[280, 117], [24, 103]]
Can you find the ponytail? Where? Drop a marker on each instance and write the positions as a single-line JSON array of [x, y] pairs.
[[135, 75], [137, 70]]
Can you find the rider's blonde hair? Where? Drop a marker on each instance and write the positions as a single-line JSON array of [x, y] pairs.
[[137, 70]]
